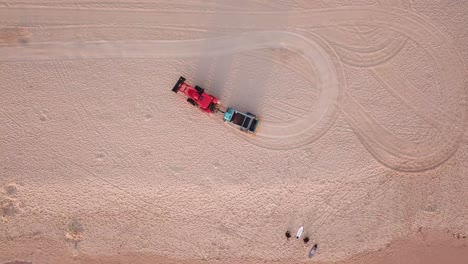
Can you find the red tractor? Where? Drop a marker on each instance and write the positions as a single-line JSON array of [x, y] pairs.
[[247, 122], [197, 96]]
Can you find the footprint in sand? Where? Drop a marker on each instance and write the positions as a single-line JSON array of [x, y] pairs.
[[9, 206], [11, 189], [43, 116]]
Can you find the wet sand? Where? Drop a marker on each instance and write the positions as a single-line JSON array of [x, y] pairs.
[[426, 247], [423, 247]]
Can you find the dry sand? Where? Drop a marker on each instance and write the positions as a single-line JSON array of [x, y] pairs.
[[363, 139]]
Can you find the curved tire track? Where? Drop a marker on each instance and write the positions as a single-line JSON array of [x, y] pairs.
[[384, 146], [271, 135], [361, 55]]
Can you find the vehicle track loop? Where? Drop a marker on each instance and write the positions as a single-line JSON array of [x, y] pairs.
[[322, 56], [272, 135]]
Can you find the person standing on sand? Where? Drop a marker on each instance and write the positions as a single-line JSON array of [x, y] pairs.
[[288, 235]]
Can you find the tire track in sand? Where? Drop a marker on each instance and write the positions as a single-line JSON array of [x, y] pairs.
[[402, 154], [271, 135], [365, 46], [374, 137]]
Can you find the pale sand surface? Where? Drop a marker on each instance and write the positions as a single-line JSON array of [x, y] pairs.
[[363, 139]]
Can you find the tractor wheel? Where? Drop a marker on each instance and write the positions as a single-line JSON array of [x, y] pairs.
[[213, 107], [190, 100], [199, 89]]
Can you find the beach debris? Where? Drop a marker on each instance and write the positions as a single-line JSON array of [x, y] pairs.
[[299, 232], [313, 250], [306, 239], [288, 235]]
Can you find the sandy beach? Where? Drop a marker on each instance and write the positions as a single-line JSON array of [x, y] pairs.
[[363, 139]]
